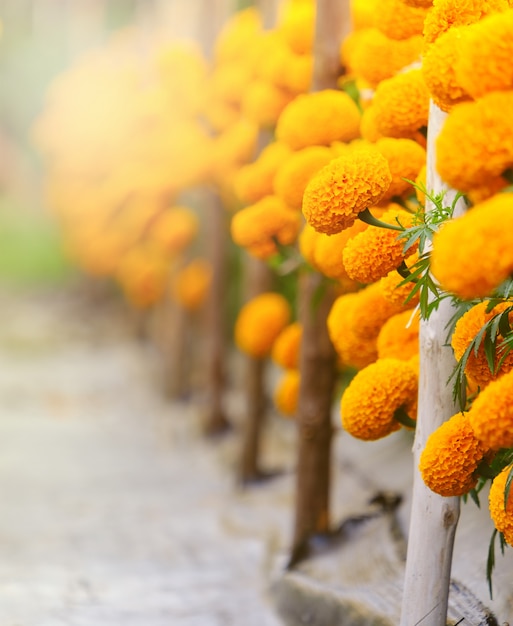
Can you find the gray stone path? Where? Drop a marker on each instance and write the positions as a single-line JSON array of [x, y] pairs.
[[113, 510]]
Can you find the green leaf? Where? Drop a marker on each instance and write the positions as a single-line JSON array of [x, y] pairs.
[[507, 487], [490, 562]]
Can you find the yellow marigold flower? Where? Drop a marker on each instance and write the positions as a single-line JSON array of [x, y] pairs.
[[391, 287], [344, 188], [476, 195], [286, 394], [227, 84], [373, 396], [173, 229], [371, 55], [306, 241], [399, 336], [232, 41], [376, 251], [259, 323], [466, 329], [446, 14], [401, 104], [405, 159], [255, 180], [328, 249], [190, 285], [439, 70], [296, 26], [491, 414], [285, 352], [502, 517], [263, 102], [449, 461], [143, 275], [235, 146], [296, 171], [368, 126], [419, 3], [398, 20], [472, 254], [485, 128], [256, 226], [486, 50], [317, 119], [362, 13]]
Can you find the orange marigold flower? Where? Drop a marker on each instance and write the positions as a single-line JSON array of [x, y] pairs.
[[405, 159], [296, 26], [328, 249], [368, 127], [285, 352], [439, 70], [486, 50], [376, 251], [373, 396], [362, 13], [466, 329], [346, 186], [296, 171], [485, 128], [476, 195], [174, 229], [190, 285], [446, 14], [449, 461], [259, 323], [232, 41], [255, 227], [306, 241], [401, 104], [286, 394], [391, 287], [491, 414], [143, 275], [481, 234], [398, 20], [264, 102], [371, 55], [255, 180], [399, 336], [419, 3], [502, 517], [318, 119]]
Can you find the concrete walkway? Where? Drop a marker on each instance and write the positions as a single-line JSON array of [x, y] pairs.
[[114, 511]]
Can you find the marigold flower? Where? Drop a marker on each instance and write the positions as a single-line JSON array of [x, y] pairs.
[[259, 323], [399, 336], [502, 517], [491, 414], [346, 186], [318, 118], [485, 128], [285, 352], [190, 285], [376, 251], [307, 239], [401, 104], [296, 26], [233, 39], [371, 55], [373, 396], [286, 394], [439, 70], [476, 195], [486, 50], [398, 20], [328, 249], [393, 291], [419, 3], [449, 461], [254, 181], [256, 226], [446, 14], [143, 275], [483, 234], [362, 13], [264, 102], [405, 159], [368, 126], [173, 229], [466, 329], [296, 171]]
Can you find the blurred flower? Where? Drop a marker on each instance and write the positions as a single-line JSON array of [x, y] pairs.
[[399, 336], [143, 275], [398, 20], [285, 352], [191, 283], [286, 393], [405, 159], [173, 229], [328, 251], [391, 287], [296, 26], [502, 516], [259, 323], [491, 414]]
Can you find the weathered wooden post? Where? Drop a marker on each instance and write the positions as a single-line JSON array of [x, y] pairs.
[[317, 355], [434, 518]]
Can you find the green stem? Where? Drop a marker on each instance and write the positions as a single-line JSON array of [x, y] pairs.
[[403, 418], [367, 217], [404, 271]]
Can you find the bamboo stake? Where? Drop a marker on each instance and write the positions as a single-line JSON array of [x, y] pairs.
[[317, 358], [433, 518]]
